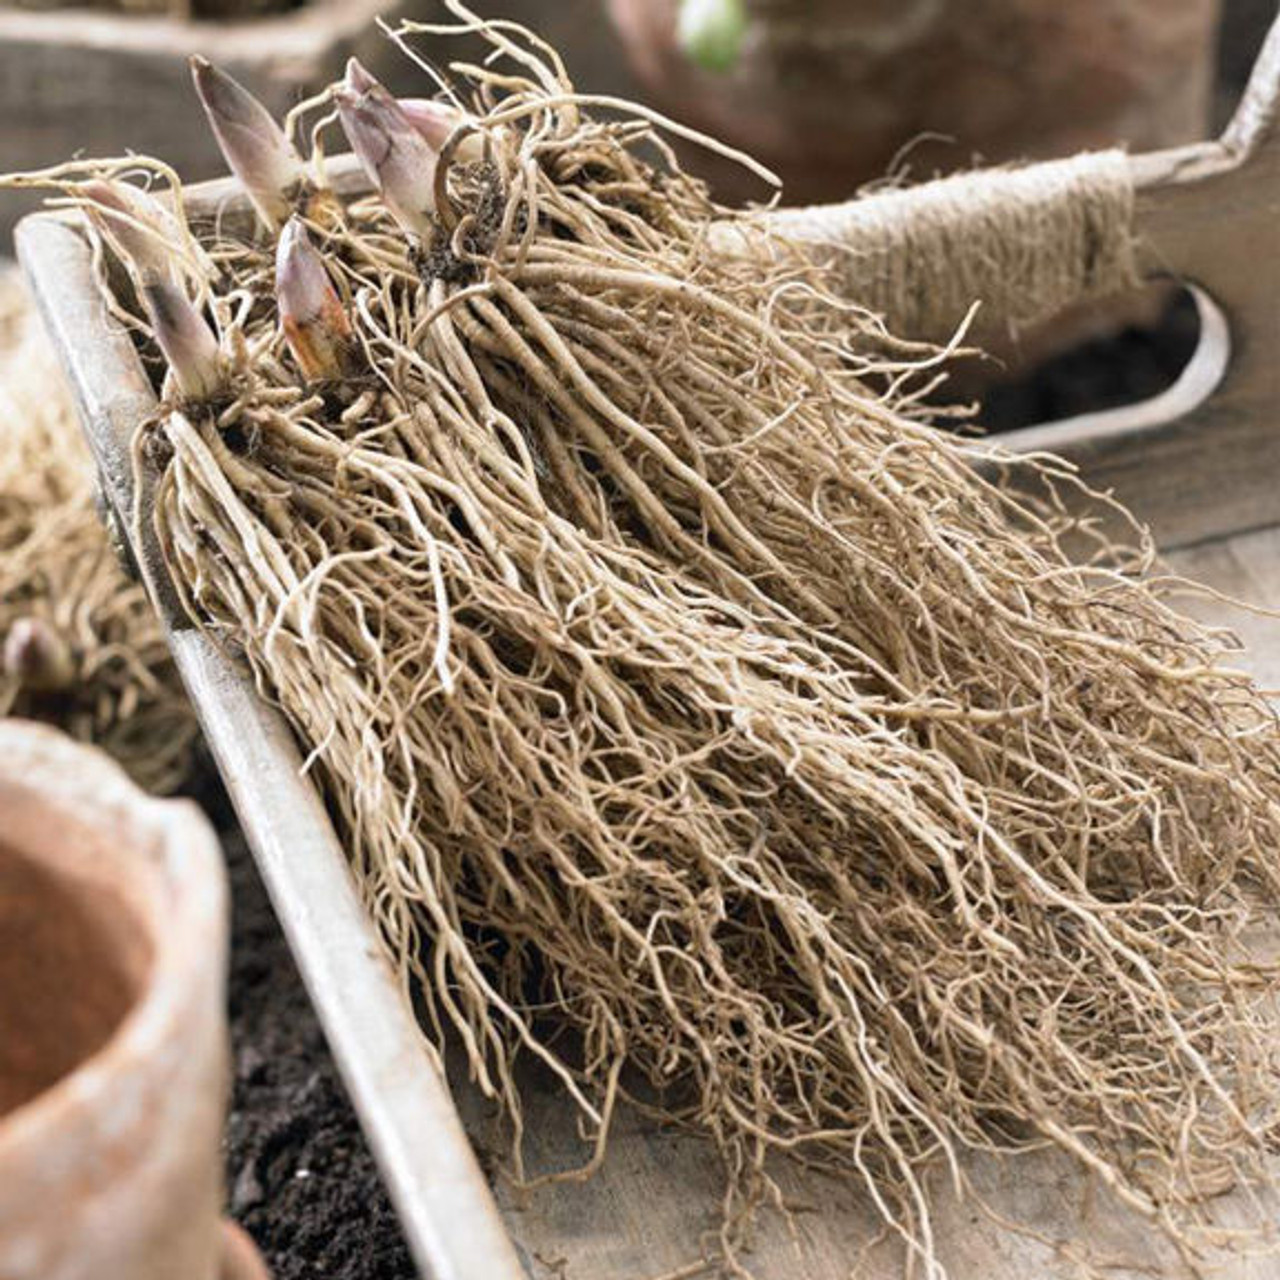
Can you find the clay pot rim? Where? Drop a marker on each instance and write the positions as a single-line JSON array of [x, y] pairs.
[[190, 928]]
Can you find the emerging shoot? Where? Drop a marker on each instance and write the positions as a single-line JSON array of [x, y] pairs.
[[314, 321], [254, 145], [141, 231], [436, 121], [398, 160], [712, 32], [186, 340], [146, 237]]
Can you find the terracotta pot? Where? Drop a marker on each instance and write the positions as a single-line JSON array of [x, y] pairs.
[[113, 1057], [827, 92]]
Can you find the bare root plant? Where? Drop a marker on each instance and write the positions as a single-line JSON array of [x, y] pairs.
[[82, 647]]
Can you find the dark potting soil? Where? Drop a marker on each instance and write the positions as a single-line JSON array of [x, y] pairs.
[[300, 1178], [299, 1175], [1105, 374]]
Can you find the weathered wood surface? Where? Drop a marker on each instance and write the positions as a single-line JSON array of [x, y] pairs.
[[103, 84], [651, 1210]]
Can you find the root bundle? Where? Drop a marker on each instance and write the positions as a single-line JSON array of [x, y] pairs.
[[700, 722], [83, 648]]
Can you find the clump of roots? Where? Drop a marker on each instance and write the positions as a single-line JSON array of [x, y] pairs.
[[82, 647], [675, 682]]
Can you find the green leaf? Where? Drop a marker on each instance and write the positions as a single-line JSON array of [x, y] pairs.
[[711, 32]]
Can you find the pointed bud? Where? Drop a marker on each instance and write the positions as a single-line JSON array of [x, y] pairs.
[[253, 144], [396, 157], [186, 340], [436, 121], [147, 237], [143, 233], [359, 79], [37, 657], [315, 325]]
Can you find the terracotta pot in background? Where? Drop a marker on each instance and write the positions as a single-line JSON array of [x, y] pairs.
[[828, 92], [113, 1041]]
